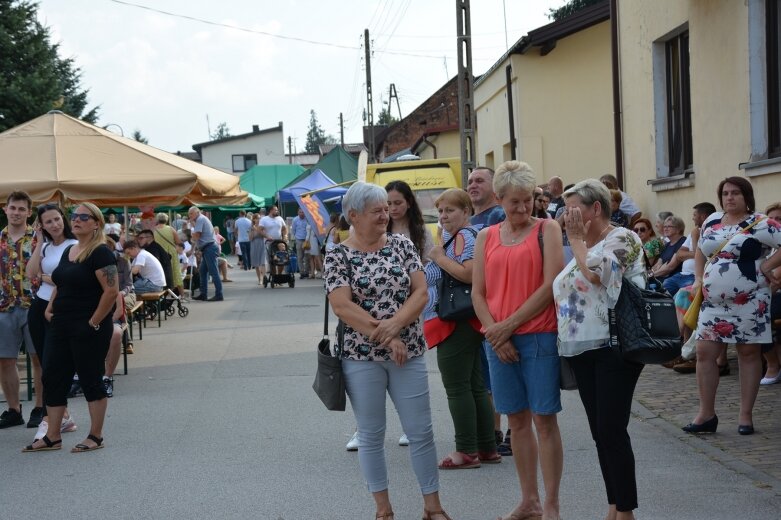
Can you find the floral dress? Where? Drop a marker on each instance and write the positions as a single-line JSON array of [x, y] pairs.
[[582, 307], [736, 295], [380, 284]]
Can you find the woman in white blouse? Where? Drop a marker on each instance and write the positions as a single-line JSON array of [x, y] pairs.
[[584, 291]]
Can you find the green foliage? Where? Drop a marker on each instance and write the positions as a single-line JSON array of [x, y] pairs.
[[570, 8], [221, 132], [385, 117], [315, 135], [33, 77], [139, 137]]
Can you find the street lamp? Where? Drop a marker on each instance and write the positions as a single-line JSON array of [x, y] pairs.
[[121, 132]]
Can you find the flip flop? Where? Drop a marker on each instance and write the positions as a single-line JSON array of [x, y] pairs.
[[49, 445], [470, 462], [83, 447], [489, 457]]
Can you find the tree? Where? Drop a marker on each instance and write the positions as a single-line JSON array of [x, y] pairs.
[[385, 117], [570, 8], [315, 135], [138, 137], [33, 77], [221, 132]]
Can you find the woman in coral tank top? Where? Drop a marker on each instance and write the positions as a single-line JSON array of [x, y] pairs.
[[512, 295]]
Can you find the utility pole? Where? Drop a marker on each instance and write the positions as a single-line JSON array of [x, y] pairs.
[[394, 94], [466, 106], [369, 102], [290, 148], [341, 129]]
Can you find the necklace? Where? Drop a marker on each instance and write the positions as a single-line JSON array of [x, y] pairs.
[[601, 234], [737, 221], [515, 238]]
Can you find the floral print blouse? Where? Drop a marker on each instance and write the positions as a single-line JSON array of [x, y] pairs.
[[380, 284], [16, 289], [582, 307]]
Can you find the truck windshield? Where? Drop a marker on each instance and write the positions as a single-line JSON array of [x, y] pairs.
[[426, 200]]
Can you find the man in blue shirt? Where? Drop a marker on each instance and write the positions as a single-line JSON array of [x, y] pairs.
[[299, 233], [481, 192], [203, 240]]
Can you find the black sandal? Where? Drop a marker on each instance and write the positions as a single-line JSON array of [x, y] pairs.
[[83, 447], [49, 445]]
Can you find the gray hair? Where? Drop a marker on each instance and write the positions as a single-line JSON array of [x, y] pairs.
[[591, 191], [513, 175], [359, 196], [162, 218], [663, 215], [677, 222]]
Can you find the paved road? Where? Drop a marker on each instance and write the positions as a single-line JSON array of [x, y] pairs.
[[217, 420]]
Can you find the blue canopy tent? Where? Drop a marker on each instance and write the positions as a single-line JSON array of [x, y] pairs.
[[316, 181]]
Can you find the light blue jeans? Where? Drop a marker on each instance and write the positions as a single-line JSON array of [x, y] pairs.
[[367, 382], [144, 285]]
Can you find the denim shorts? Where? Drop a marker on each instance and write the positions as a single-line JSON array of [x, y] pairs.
[[532, 383]]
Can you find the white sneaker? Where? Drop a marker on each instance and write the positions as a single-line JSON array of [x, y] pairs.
[[68, 425], [403, 440], [42, 429], [352, 444]]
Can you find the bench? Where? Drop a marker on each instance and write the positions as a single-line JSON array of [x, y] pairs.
[[126, 341], [133, 315], [153, 298]]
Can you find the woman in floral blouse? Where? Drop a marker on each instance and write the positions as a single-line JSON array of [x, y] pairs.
[[584, 291], [376, 285], [734, 267]]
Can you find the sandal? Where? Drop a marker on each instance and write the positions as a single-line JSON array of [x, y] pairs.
[[427, 514], [49, 445], [489, 457], [384, 515], [469, 462], [83, 447]]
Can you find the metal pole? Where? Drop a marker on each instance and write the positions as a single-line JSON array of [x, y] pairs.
[[466, 111], [369, 101], [341, 129]]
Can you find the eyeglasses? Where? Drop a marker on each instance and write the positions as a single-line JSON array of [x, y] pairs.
[[640, 230], [81, 216]]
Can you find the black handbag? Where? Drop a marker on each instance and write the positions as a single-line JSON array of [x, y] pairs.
[[329, 382], [643, 324], [455, 296]]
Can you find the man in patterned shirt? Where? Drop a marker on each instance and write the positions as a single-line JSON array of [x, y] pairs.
[[17, 242]]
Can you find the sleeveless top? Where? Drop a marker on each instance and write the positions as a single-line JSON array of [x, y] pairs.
[[512, 274]]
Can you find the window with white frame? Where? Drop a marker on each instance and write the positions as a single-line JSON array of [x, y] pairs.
[[242, 163]]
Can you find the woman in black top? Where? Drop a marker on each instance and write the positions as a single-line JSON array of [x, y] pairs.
[[80, 313]]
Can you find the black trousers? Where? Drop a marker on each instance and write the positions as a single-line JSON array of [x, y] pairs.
[[40, 330], [606, 384], [76, 347]]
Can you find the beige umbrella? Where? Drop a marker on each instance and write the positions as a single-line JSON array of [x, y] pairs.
[[58, 157]]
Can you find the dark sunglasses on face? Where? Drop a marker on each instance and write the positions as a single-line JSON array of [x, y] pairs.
[[640, 230], [81, 216]]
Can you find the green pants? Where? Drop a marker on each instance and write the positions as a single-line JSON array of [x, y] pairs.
[[460, 365]]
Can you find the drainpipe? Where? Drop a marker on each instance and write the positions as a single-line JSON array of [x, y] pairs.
[[617, 126], [432, 145], [509, 72]]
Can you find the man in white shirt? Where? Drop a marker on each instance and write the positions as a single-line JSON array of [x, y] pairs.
[[243, 226], [274, 225], [146, 268]]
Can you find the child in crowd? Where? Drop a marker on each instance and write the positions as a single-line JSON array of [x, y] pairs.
[[280, 257], [617, 217]]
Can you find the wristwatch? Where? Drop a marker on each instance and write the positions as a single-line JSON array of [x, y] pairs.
[[96, 327]]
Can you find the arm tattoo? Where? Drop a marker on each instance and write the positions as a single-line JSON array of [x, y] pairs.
[[111, 274]]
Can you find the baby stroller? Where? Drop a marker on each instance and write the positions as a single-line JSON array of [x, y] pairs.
[[279, 265]]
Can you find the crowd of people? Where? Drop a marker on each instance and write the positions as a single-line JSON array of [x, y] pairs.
[[545, 264]]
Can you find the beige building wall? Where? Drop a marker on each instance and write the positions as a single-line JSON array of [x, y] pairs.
[[448, 145], [563, 109], [720, 82]]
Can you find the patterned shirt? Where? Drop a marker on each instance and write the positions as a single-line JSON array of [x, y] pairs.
[[380, 283], [16, 289]]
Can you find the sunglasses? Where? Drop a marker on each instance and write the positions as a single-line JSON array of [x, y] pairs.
[[640, 230], [81, 216]]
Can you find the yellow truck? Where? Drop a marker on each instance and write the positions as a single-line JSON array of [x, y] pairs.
[[428, 179]]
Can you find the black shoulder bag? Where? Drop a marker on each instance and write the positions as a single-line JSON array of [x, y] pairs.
[[643, 324], [455, 296], [329, 379]]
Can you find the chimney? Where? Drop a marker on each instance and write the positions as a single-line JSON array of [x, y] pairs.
[[255, 129]]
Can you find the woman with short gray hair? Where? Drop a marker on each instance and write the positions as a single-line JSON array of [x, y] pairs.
[[376, 285], [513, 175]]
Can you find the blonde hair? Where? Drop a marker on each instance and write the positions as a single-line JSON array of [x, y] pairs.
[[615, 196], [514, 175], [98, 238], [456, 197]]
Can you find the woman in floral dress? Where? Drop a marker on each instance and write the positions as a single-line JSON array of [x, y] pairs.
[[734, 268]]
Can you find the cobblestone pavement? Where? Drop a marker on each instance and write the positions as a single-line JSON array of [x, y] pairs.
[[673, 397]]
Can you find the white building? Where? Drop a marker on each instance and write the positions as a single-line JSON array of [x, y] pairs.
[[238, 153]]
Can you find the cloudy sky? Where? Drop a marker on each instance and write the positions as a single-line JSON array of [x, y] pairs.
[[261, 62]]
